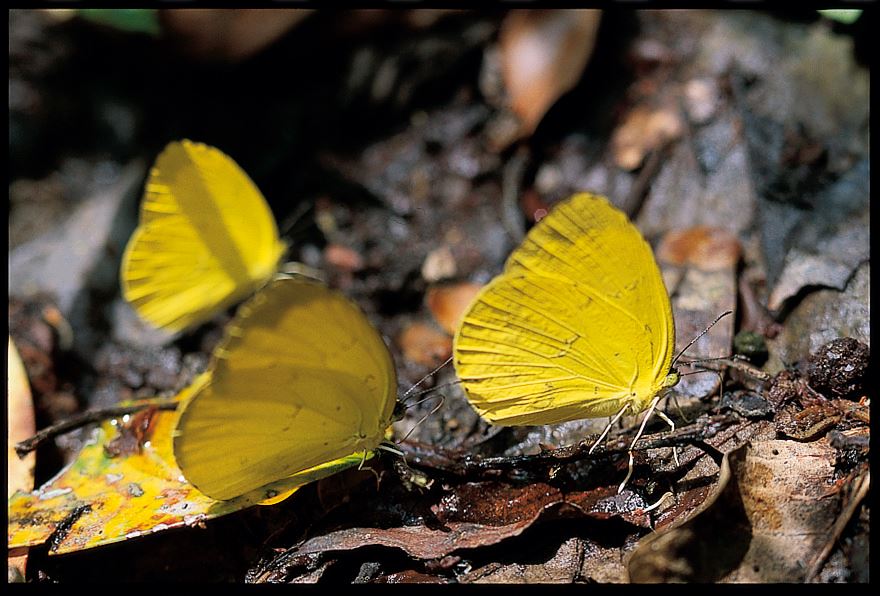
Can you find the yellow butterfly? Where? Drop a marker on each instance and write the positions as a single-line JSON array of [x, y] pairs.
[[206, 239], [301, 380], [578, 325]]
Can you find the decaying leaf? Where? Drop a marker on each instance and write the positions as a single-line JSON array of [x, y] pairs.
[[467, 516], [543, 54], [448, 302], [644, 130], [99, 499], [567, 565], [20, 425], [766, 521], [231, 35], [699, 269], [424, 344]]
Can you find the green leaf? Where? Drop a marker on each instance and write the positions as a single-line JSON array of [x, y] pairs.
[[847, 16], [131, 20]]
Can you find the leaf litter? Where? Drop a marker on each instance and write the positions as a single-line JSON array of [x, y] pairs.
[[434, 180]]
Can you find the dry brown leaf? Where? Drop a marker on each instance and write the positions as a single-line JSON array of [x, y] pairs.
[[343, 258], [478, 514], [230, 35], [644, 129], [543, 54], [704, 247], [424, 344], [771, 513], [448, 302], [699, 269]]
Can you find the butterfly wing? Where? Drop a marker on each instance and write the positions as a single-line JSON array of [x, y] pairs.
[[578, 324], [301, 379], [206, 238]]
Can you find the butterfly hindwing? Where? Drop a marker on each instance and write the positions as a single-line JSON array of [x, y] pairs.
[[301, 379], [578, 324]]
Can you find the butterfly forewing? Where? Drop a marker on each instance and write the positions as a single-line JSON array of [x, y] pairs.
[[206, 238]]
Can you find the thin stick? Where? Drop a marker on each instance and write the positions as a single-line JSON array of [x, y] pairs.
[[511, 181], [24, 447], [862, 484], [636, 197]]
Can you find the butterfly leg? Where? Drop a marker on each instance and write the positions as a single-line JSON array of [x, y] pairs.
[[374, 472], [608, 427], [671, 426], [638, 436]]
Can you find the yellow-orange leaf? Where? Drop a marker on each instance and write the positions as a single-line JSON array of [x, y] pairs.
[[105, 499]]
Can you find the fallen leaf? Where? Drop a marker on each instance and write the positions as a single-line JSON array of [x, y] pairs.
[[468, 516], [21, 425], [699, 268], [643, 130], [770, 513], [448, 303], [563, 567], [20, 412], [543, 55], [707, 248], [343, 258], [439, 265], [424, 344], [99, 500], [825, 252], [228, 35]]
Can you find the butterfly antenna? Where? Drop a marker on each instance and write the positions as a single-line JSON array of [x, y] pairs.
[[423, 418], [699, 360], [704, 332], [432, 390], [420, 381]]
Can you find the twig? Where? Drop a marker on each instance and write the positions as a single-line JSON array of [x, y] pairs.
[[860, 486], [636, 197], [455, 464], [24, 447], [511, 181]]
